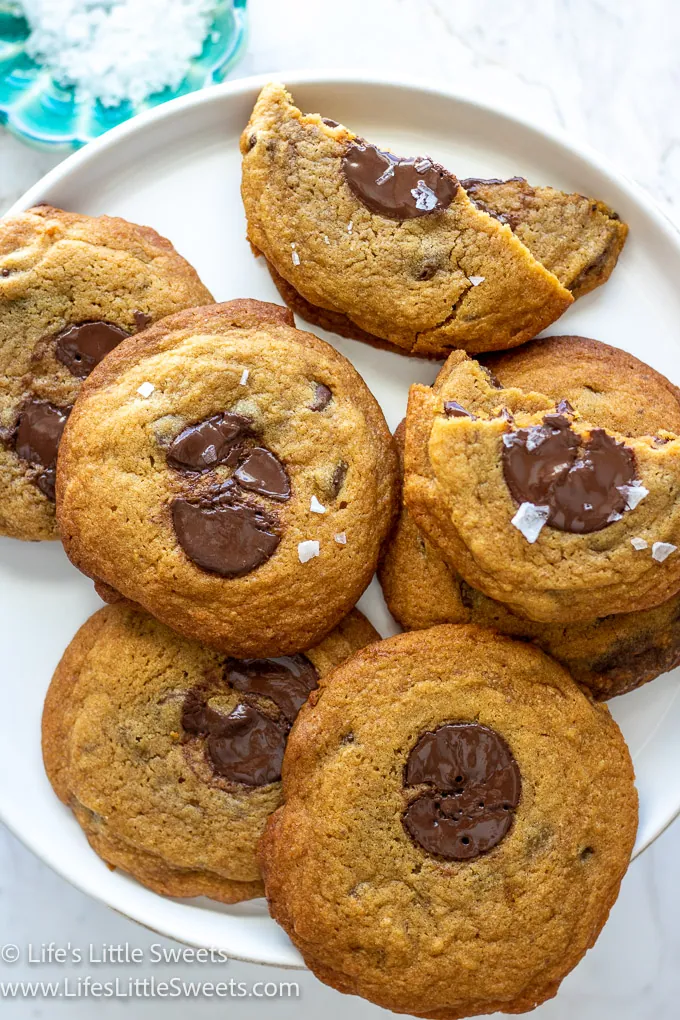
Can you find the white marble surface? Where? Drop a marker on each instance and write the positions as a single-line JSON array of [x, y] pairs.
[[607, 71]]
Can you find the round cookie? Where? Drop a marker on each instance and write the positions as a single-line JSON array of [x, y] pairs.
[[381, 248], [169, 753], [551, 481], [71, 288], [457, 819], [252, 481], [610, 655]]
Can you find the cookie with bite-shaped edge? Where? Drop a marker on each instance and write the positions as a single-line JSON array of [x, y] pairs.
[[71, 288], [457, 819], [394, 245], [579, 239], [169, 753], [610, 655], [555, 491], [251, 484]]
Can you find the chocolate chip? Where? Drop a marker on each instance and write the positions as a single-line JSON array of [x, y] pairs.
[[262, 472], [83, 345], [329, 122], [37, 437], [549, 465], [493, 380], [287, 680], [398, 188], [142, 320], [6, 272], [476, 788], [452, 409], [322, 397], [252, 141], [338, 479], [249, 749], [217, 440], [230, 537], [427, 271], [199, 718]]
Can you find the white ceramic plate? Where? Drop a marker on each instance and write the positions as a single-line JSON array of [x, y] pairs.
[[177, 168]]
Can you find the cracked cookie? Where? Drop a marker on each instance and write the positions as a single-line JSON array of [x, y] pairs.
[[252, 481], [71, 288], [169, 753], [549, 478], [610, 655], [577, 238], [457, 819], [382, 248]]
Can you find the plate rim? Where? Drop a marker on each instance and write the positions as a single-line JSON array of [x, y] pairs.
[[218, 93]]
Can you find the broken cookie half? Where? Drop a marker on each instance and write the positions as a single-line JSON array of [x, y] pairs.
[[385, 249]]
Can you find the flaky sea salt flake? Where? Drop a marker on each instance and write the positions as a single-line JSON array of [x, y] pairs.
[[316, 507], [244, 377], [350, 226], [476, 280], [307, 550], [639, 543], [146, 389], [662, 550], [296, 258], [633, 494], [341, 538], [530, 520], [425, 197]]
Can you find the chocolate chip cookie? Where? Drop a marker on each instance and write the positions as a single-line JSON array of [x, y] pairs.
[[251, 484], [71, 288], [457, 819], [550, 478], [169, 753], [610, 655], [383, 248], [578, 239]]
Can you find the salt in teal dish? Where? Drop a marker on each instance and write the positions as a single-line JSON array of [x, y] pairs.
[[40, 111]]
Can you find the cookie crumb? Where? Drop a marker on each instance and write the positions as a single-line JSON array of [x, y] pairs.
[[639, 543], [244, 376], [316, 507], [662, 550], [633, 494], [530, 519], [146, 389], [476, 280], [307, 550], [341, 538]]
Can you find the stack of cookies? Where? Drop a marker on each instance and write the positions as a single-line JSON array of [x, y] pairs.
[[440, 821]]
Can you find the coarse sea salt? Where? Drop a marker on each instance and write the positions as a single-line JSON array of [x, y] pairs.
[[639, 543], [316, 507], [146, 389], [633, 494], [244, 376], [117, 50], [662, 550], [426, 200], [530, 519], [307, 550], [476, 280], [341, 538]]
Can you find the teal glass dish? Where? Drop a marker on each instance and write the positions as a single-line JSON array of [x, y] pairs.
[[40, 111]]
